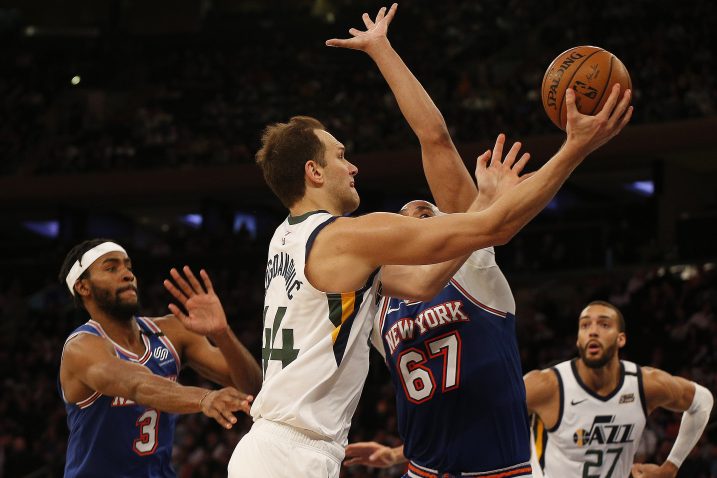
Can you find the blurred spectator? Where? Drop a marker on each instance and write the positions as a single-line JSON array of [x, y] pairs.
[[202, 99]]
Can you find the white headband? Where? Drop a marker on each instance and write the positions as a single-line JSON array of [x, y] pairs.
[[87, 259]]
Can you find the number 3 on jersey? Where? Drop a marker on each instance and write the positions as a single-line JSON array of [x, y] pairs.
[[287, 353], [417, 379], [148, 422]]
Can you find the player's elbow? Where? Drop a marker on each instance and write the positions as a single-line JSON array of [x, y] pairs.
[[503, 235], [498, 227], [506, 230], [435, 136]]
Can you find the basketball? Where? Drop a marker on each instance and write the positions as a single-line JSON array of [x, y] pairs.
[[591, 72]]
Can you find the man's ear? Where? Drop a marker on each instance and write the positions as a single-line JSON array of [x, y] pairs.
[[82, 288], [621, 340], [314, 173]]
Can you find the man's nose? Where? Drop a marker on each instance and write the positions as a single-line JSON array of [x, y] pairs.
[[127, 275]]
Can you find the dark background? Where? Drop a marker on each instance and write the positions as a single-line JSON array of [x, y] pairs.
[[139, 121]]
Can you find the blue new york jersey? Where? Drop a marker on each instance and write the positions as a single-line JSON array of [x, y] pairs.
[[115, 437], [456, 368]]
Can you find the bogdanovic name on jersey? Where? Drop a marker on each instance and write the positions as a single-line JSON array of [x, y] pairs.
[[315, 347], [282, 265]]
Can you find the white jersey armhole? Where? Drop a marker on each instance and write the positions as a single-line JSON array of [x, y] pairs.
[[378, 321]]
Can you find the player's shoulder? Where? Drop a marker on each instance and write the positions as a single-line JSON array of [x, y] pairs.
[[169, 320], [652, 376], [481, 279], [328, 234], [659, 385], [82, 346], [168, 324], [363, 222], [542, 381], [545, 376], [655, 380], [663, 389]]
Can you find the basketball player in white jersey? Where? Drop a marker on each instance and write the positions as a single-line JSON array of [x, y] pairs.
[[322, 283], [590, 411]]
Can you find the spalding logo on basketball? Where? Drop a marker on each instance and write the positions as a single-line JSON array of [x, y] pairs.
[[591, 72]]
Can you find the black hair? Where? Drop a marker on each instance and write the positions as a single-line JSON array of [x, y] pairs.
[[74, 255]]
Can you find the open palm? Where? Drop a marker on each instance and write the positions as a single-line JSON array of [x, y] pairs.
[[376, 30], [204, 311]]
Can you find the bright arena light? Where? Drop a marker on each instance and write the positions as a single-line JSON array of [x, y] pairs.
[[75, 80]]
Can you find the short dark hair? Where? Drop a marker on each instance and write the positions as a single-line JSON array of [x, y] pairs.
[[75, 254], [285, 149], [620, 318]]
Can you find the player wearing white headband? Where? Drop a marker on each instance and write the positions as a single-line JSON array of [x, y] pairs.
[[118, 370]]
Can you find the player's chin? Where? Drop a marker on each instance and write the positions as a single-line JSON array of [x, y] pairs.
[[129, 302], [352, 202], [127, 297], [595, 361]]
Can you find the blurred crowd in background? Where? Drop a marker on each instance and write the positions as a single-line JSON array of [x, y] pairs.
[[119, 102]]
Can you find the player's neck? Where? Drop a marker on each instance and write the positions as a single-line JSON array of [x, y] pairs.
[[124, 332], [602, 380], [313, 202]]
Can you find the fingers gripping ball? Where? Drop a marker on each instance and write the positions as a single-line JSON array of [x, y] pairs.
[[591, 72]]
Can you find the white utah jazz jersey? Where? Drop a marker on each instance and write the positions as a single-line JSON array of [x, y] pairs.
[[595, 437], [315, 352]]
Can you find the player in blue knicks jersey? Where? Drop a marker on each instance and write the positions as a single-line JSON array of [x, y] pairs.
[[455, 366], [454, 357], [118, 371], [456, 369]]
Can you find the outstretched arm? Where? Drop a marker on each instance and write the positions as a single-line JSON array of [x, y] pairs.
[[229, 363], [663, 390], [426, 281], [89, 364], [358, 245], [450, 182]]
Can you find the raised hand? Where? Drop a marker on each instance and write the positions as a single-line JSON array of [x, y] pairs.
[[588, 133], [370, 454], [205, 314], [376, 31], [495, 175], [220, 405]]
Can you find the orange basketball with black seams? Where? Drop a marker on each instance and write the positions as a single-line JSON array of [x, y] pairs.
[[591, 72]]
